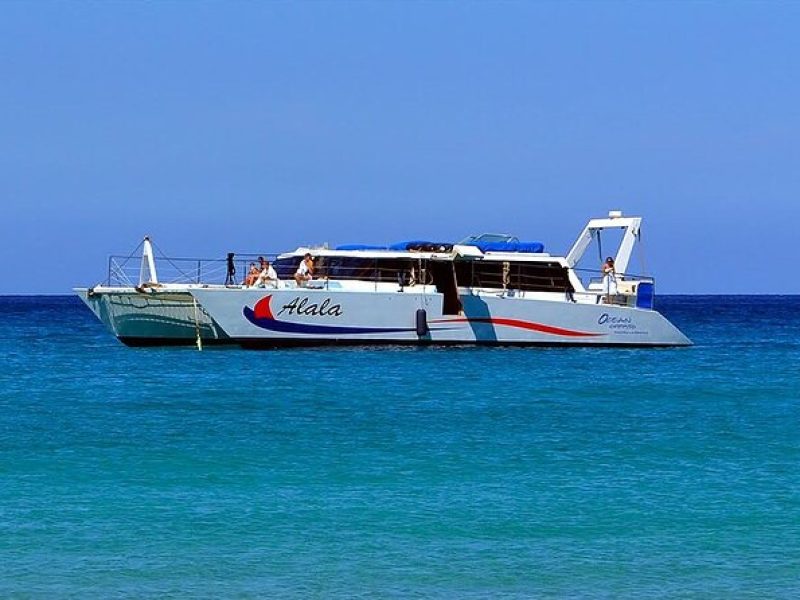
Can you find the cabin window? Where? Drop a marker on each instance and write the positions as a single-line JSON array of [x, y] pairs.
[[540, 277], [286, 267], [366, 269], [525, 276]]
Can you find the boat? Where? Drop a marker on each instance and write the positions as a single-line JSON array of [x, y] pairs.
[[488, 289]]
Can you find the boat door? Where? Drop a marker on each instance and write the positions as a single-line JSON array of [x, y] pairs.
[[443, 274]]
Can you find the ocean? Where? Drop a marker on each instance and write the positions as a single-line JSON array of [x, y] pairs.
[[402, 472]]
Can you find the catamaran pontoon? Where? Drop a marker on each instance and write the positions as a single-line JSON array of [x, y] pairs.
[[150, 312]]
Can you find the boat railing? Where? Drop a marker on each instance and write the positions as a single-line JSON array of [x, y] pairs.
[[594, 277], [124, 271], [625, 289]]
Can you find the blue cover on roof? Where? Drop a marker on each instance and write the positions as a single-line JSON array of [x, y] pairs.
[[418, 244], [360, 247], [531, 247]]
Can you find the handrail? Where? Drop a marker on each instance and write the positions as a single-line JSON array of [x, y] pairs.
[[124, 270], [622, 276]]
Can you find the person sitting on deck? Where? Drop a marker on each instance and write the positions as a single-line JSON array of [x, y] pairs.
[[305, 270], [252, 275], [268, 277]]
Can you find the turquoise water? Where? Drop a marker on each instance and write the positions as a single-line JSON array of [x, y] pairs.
[[397, 472]]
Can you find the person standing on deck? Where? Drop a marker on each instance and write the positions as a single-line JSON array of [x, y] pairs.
[[609, 279]]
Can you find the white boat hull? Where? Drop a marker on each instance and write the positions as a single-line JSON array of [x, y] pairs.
[[153, 317], [320, 316]]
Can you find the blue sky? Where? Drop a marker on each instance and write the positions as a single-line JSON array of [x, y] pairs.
[[260, 126]]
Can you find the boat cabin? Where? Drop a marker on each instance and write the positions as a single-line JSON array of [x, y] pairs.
[[489, 263]]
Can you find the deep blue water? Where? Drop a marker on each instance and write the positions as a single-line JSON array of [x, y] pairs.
[[397, 472]]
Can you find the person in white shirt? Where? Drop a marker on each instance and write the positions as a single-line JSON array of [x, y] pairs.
[[268, 277], [305, 270]]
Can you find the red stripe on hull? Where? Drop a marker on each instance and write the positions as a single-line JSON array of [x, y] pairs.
[[538, 327]]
